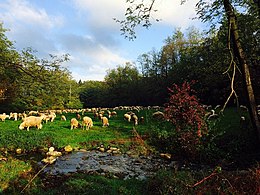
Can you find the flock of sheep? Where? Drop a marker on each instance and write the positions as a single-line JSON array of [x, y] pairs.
[[36, 118]]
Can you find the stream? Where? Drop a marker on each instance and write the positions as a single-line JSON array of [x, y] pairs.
[[121, 166]]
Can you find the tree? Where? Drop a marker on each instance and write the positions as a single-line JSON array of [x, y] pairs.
[[94, 94], [140, 14], [123, 85], [27, 82], [9, 74]]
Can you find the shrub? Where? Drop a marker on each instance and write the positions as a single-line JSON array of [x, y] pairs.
[[187, 115]]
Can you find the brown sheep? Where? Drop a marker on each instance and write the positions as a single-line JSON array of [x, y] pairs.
[[87, 121], [78, 116]]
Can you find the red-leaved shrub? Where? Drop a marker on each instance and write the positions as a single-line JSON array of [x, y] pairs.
[[187, 115]]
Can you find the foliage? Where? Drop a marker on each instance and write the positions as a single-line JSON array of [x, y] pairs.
[[123, 85], [93, 94], [184, 110], [28, 82], [136, 14], [187, 115], [170, 182]]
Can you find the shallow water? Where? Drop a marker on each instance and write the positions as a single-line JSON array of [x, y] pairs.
[[95, 162]]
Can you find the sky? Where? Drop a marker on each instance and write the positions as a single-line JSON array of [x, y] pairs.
[[85, 30]]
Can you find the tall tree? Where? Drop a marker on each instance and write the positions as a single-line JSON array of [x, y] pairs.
[[140, 14]]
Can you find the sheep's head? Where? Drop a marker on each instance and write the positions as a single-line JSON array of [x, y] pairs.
[[21, 126]]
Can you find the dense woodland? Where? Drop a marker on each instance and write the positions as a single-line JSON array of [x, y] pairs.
[[31, 83]]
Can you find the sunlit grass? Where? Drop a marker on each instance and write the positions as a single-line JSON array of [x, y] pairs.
[[59, 134], [10, 169]]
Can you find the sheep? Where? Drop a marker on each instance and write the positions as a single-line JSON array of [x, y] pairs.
[[113, 113], [134, 118], [87, 121], [213, 115], [158, 115], [243, 108], [33, 113], [63, 118], [31, 121], [3, 116], [100, 115], [74, 123], [127, 117], [78, 116], [22, 115], [13, 115], [48, 117], [52, 116], [141, 119], [105, 121], [95, 115], [109, 113]]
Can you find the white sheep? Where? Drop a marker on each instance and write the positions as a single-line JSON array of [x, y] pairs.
[[33, 113], [63, 118], [105, 121], [113, 113], [87, 121], [127, 117], [213, 115], [158, 115], [74, 123], [134, 118], [109, 113], [3, 116], [31, 121], [13, 115]]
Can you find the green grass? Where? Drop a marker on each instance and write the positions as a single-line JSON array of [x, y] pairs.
[[59, 134], [10, 170], [228, 137]]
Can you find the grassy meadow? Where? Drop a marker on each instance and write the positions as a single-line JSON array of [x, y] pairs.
[[237, 143]]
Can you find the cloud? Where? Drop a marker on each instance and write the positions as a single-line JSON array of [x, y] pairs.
[[85, 29], [101, 12], [88, 57], [172, 12], [22, 11]]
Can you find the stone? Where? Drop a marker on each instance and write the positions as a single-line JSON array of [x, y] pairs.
[[18, 151], [68, 148]]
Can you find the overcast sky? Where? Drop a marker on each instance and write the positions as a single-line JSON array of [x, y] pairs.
[[85, 29]]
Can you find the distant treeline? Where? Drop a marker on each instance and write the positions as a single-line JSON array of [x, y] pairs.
[[183, 57]]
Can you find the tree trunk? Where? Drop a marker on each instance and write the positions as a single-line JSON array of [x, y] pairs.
[[245, 68]]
